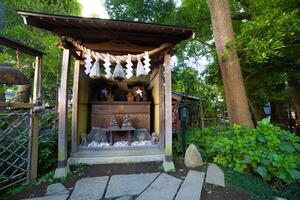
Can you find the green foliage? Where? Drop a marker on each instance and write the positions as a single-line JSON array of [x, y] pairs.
[[44, 41], [258, 188], [267, 150], [47, 142]]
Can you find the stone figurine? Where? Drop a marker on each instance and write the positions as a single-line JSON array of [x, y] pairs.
[[83, 141], [154, 138], [126, 122], [113, 122]]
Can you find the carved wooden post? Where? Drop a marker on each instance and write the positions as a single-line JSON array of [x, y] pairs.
[[75, 106], [62, 166], [34, 123], [168, 163]]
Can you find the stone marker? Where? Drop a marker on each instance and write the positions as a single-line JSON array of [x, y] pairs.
[[51, 197], [163, 188], [57, 189], [191, 187], [215, 175], [130, 184], [192, 157], [89, 188]]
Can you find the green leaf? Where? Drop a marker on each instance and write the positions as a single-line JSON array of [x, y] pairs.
[[281, 175], [286, 147], [261, 138], [266, 162], [262, 171], [265, 121], [297, 146], [295, 174], [247, 159]]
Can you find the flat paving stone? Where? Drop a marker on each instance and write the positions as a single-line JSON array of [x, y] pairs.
[[125, 197], [57, 189], [89, 188], [163, 188], [191, 187], [215, 175], [130, 184], [51, 197]]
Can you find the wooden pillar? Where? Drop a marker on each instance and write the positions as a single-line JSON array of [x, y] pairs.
[[34, 122], [161, 108], [62, 167], [168, 163], [75, 105]]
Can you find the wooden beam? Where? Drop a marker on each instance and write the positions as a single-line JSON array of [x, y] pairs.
[[161, 108], [16, 105], [76, 82], [118, 47], [168, 107], [61, 170], [35, 122], [19, 46]]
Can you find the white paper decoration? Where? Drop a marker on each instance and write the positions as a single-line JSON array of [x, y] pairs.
[[106, 66], [139, 68], [118, 72], [147, 63], [129, 67], [95, 70], [88, 63]]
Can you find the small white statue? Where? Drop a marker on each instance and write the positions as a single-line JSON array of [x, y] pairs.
[[83, 141], [154, 138]]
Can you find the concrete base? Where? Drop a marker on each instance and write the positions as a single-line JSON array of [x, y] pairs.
[[168, 166], [115, 159], [62, 172]]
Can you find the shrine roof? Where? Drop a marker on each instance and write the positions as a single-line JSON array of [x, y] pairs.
[[91, 30]]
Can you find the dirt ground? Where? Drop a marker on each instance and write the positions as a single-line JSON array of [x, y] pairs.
[[209, 192]]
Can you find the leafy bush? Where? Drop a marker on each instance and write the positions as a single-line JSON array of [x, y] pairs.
[[266, 150]]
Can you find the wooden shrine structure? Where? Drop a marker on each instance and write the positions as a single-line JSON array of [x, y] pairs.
[[79, 36]]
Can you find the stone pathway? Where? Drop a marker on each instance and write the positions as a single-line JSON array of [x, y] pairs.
[[215, 175], [140, 186]]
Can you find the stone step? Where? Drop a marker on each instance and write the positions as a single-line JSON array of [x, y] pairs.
[[115, 159], [163, 188], [191, 187]]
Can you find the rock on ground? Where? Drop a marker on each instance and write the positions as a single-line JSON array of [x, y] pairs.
[[163, 188], [192, 157], [191, 187], [130, 184], [215, 175], [89, 188]]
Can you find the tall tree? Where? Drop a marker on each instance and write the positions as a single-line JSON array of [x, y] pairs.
[[235, 93]]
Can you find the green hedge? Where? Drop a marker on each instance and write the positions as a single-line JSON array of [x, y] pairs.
[[267, 150]]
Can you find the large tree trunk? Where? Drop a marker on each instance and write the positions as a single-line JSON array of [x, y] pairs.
[[235, 94]]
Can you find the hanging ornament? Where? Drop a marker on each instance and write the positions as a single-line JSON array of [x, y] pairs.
[[129, 67], [118, 72], [95, 70], [139, 68], [106, 66], [147, 63], [88, 63]]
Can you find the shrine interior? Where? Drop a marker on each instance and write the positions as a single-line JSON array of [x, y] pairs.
[[119, 112]]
